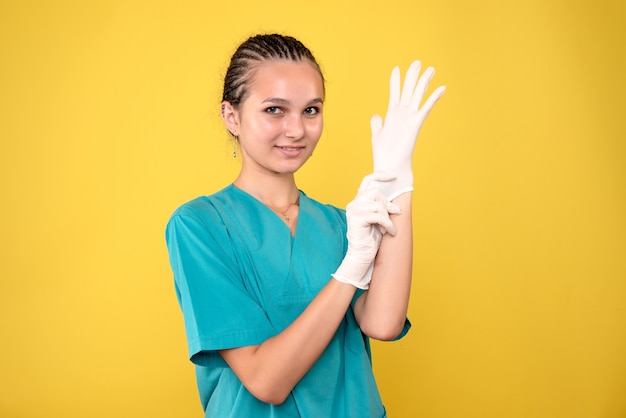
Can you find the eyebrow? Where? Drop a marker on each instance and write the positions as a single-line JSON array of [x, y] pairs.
[[278, 100]]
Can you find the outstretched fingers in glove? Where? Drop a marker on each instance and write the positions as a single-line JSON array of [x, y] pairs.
[[394, 139]]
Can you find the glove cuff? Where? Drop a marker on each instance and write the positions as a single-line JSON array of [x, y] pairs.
[[399, 192], [392, 189], [354, 273]]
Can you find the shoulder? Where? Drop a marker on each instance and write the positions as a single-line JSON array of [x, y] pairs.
[[203, 207], [204, 213]]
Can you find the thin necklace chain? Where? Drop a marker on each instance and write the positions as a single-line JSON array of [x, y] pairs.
[[284, 212]]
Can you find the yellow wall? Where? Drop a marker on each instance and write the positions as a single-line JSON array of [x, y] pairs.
[[108, 121]]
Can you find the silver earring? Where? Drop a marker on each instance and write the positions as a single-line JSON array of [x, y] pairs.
[[235, 139]]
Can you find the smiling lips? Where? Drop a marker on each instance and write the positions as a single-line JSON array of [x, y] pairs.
[[292, 151]]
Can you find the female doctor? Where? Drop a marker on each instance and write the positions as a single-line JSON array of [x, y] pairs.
[[280, 293]]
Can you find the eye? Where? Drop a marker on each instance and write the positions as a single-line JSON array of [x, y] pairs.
[[274, 110], [313, 110]]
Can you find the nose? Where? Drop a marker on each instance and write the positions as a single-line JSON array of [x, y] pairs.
[[294, 126]]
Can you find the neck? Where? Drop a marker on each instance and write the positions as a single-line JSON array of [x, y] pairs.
[[279, 192]]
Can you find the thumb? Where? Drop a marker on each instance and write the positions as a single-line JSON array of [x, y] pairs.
[[376, 123]]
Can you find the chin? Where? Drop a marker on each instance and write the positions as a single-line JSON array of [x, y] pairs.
[[290, 168]]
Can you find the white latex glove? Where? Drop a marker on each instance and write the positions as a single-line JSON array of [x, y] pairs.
[[368, 220], [393, 142]]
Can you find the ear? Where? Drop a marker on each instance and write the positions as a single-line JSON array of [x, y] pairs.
[[230, 116]]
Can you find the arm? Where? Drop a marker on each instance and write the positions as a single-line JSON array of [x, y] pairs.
[[381, 311], [271, 369]]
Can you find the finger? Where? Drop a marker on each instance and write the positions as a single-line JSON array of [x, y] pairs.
[[383, 175], [370, 180], [376, 219], [383, 221], [411, 77], [392, 208], [430, 102], [383, 231], [376, 124], [394, 87], [370, 203], [369, 198], [422, 85], [379, 206]]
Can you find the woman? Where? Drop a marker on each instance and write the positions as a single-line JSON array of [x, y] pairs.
[[280, 293]]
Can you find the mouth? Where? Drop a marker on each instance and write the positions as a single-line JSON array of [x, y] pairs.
[[290, 151]]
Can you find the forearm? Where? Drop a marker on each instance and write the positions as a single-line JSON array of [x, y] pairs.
[[271, 370], [381, 311]]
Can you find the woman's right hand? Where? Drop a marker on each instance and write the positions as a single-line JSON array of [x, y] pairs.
[[368, 220]]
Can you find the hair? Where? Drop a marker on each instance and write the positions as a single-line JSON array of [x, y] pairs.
[[255, 51]]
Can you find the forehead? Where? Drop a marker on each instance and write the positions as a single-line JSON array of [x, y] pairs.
[[285, 79]]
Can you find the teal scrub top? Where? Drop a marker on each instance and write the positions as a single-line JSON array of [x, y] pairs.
[[241, 278]]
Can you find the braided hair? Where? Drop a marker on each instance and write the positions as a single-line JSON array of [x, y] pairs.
[[255, 51]]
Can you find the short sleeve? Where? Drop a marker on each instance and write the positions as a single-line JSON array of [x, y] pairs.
[[405, 330], [218, 311]]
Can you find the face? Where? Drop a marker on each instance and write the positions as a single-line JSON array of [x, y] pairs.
[[280, 121]]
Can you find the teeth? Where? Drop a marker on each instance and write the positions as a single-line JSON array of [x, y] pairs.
[[289, 149]]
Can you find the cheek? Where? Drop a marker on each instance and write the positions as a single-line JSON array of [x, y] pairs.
[[270, 126], [262, 127], [316, 128]]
